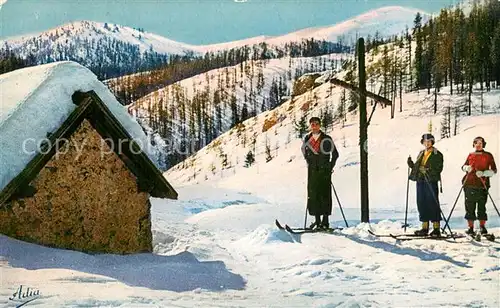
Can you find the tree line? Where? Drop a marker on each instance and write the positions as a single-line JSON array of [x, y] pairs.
[[106, 57], [201, 110], [129, 88], [453, 49], [459, 51]]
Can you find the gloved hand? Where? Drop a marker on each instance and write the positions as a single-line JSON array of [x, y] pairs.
[[410, 162], [466, 168], [479, 173], [488, 173]]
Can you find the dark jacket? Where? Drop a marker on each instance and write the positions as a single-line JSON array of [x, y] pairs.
[[319, 173], [326, 158], [433, 167]]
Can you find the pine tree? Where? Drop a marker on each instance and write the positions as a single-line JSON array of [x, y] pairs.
[[434, 63], [386, 71], [431, 68], [249, 159], [260, 80], [218, 112], [269, 157], [341, 109], [327, 118], [446, 124], [417, 33], [402, 65], [273, 95], [234, 110], [460, 46], [495, 55], [244, 113], [471, 66], [301, 126], [408, 63], [456, 121], [223, 158]]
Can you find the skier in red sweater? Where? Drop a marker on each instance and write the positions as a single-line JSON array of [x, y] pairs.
[[480, 166]]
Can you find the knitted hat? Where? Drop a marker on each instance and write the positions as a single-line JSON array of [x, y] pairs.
[[428, 137], [315, 119]]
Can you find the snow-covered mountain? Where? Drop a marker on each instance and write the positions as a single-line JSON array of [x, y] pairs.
[[108, 50], [80, 30], [385, 21], [111, 50]]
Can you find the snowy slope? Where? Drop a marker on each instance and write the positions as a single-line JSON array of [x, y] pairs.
[[36, 101], [399, 137], [238, 83]]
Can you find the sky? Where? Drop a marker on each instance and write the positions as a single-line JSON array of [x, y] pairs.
[[195, 22]]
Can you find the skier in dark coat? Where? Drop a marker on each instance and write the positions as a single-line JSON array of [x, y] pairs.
[[321, 155], [480, 166], [426, 171]]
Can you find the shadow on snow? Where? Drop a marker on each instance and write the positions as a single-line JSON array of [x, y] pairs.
[[423, 255], [178, 273]]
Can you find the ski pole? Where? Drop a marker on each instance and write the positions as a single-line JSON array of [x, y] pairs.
[[407, 192], [456, 200], [491, 198], [437, 203], [305, 218], [340, 206], [453, 208], [494, 205]]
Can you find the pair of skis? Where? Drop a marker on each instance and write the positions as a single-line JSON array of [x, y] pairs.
[[303, 230], [477, 236], [409, 237]]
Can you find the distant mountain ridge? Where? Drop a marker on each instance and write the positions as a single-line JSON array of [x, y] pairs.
[[111, 50]]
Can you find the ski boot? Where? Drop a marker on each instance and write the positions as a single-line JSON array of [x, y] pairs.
[[422, 232], [486, 235], [325, 225], [315, 225], [435, 233], [470, 232], [483, 230]]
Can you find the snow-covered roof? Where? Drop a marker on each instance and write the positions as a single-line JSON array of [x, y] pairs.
[[37, 100]]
